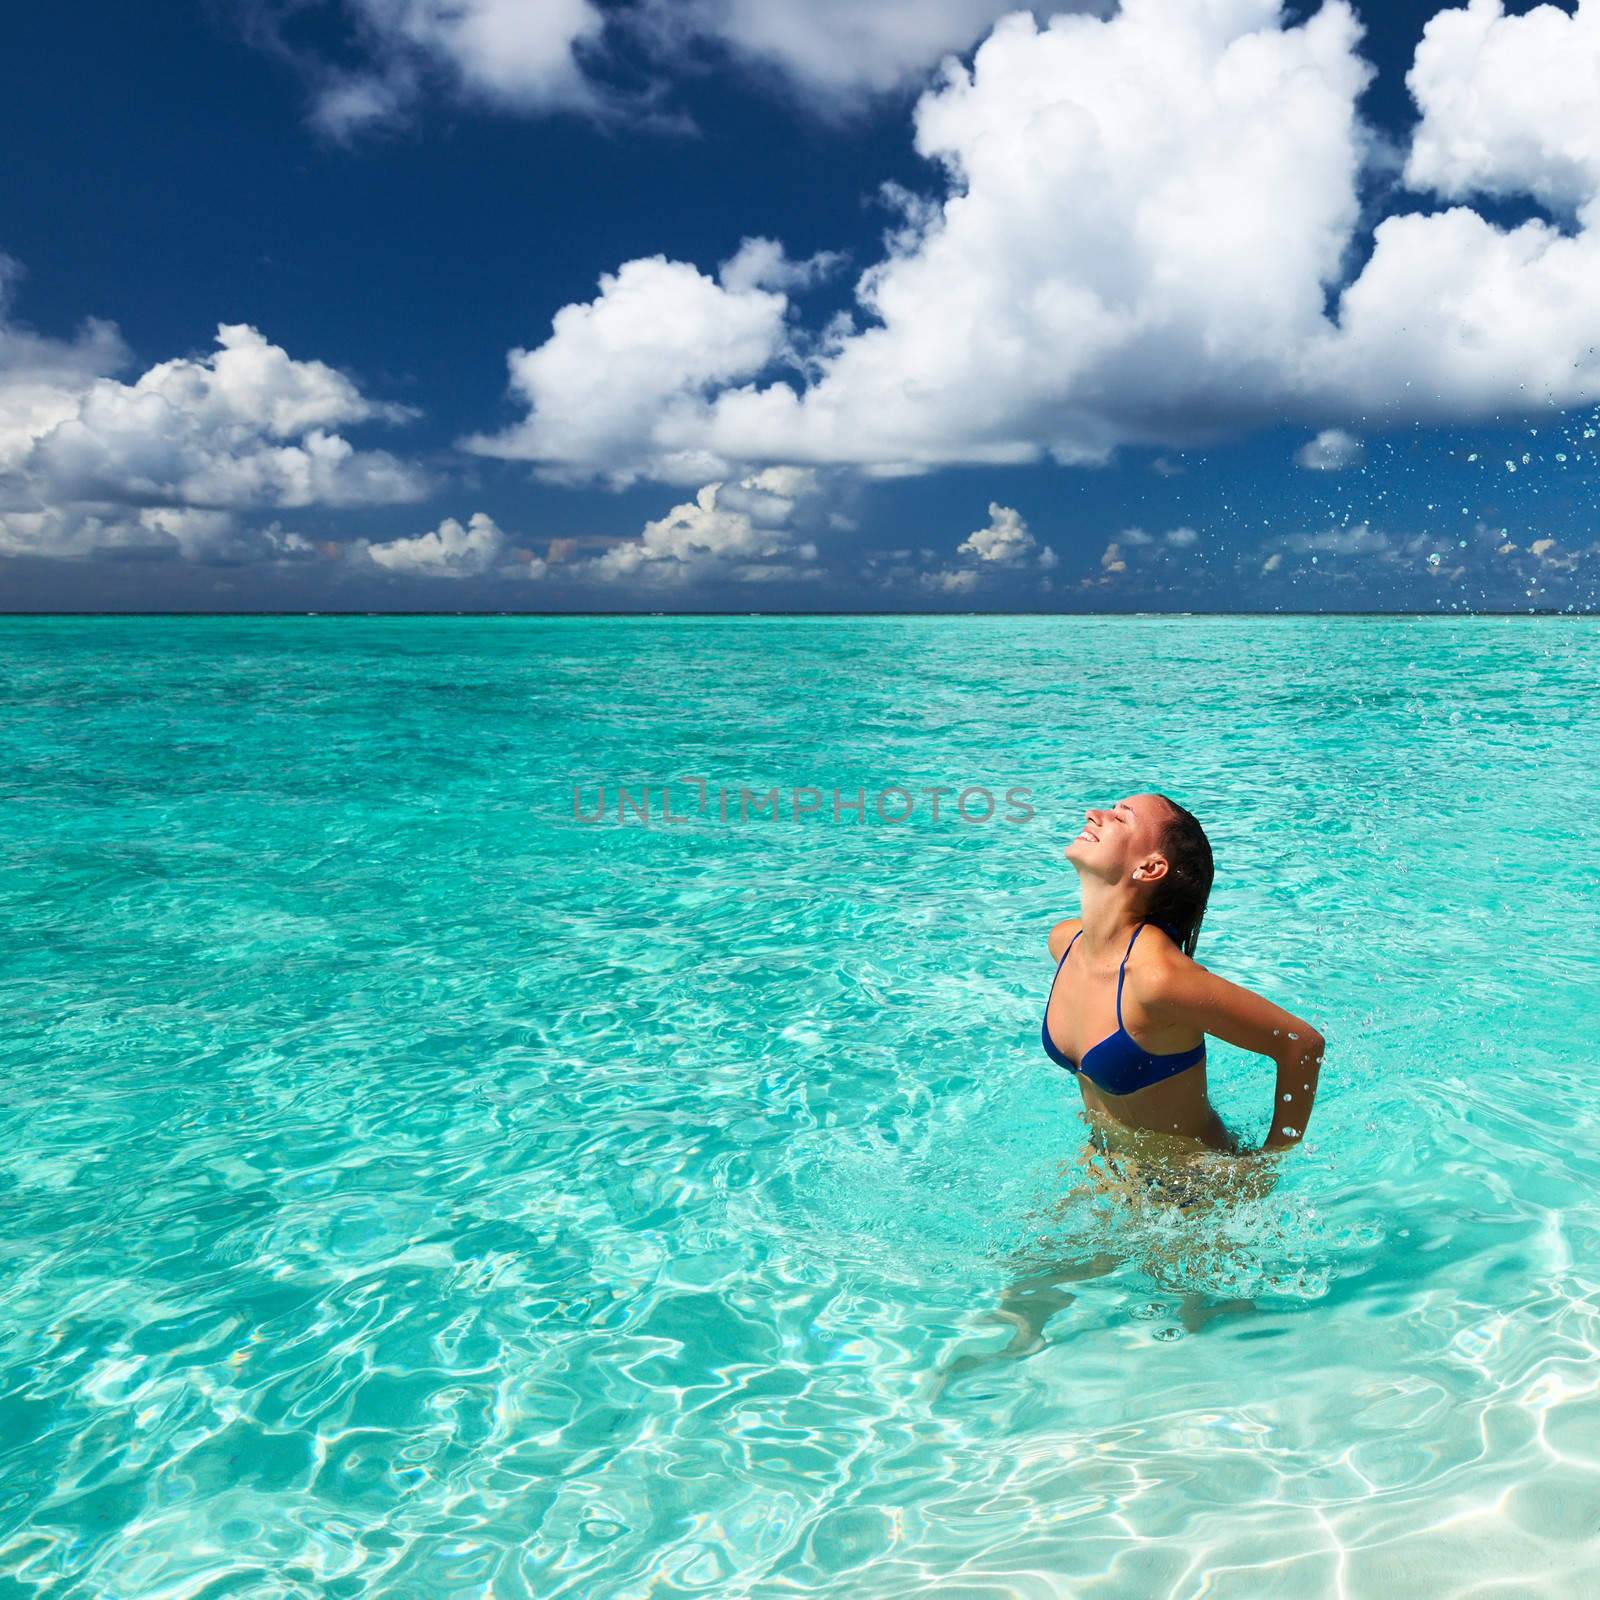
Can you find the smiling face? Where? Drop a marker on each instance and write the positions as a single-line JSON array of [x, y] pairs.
[[1118, 839]]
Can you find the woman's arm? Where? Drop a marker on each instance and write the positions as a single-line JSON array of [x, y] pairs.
[[1178, 990]]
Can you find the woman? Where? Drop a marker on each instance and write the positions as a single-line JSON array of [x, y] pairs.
[[1129, 1007], [1128, 1013]]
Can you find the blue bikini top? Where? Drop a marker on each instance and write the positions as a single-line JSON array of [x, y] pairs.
[[1117, 1065]]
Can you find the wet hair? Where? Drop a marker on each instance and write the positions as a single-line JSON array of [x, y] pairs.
[[1178, 901]]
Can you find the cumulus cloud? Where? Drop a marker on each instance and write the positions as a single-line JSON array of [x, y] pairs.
[[1453, 316], [42, 379], [248, 425], [730, 532], [165, 463], [1508, 104], [1005, 540], [563, 55], [761, 263], [1143, 219], [453, 551], [952, 580], [505, 54], [217, 538], [620, 388], [1002, 547], [834, 52], [1331, 451]]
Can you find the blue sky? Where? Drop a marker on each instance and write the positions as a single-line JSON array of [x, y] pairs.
[[733, 304]]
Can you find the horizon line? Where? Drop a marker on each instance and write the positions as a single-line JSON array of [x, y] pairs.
[[1531, 611]]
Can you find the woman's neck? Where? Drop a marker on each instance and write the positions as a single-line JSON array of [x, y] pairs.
[[1109, 912]]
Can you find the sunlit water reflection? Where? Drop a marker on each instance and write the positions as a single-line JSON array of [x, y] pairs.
[[411, 1190]]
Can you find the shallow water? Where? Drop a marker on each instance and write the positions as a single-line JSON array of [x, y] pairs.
[[410, 1189]]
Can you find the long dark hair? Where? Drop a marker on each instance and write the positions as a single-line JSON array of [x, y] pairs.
[[1178, 901]]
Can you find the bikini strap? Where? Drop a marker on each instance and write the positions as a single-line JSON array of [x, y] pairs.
[[1059, 965], [1063, 961], [1122, 972]]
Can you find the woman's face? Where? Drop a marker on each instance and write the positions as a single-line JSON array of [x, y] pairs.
[[1117, 838]]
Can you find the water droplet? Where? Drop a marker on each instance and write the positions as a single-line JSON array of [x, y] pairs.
[[1274, 1033], [1287, 1098], [1291, 1133], [1294, 1035]]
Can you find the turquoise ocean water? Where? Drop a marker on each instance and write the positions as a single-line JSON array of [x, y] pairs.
[[410, 1189]]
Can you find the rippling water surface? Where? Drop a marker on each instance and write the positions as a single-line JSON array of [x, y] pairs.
[[409, 1189]]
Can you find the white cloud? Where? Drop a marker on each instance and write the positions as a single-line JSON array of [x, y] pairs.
[[1181, 538], [453, 551], [951, 580], [1143, 219], [89, 462], [1134, 234], [1453, 316], [761, 263], [70, 534], [736, 532], [217, 538], [1331, 451], [1508, 104], [505, 53], [245, 427], [835, 51], [619, 388], [42, 379], [1003, 546], [538, 56], [1005, 540]]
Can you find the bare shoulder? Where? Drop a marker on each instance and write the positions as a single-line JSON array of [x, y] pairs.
[[1061, 936], [1171, 989], [1159, 969]]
